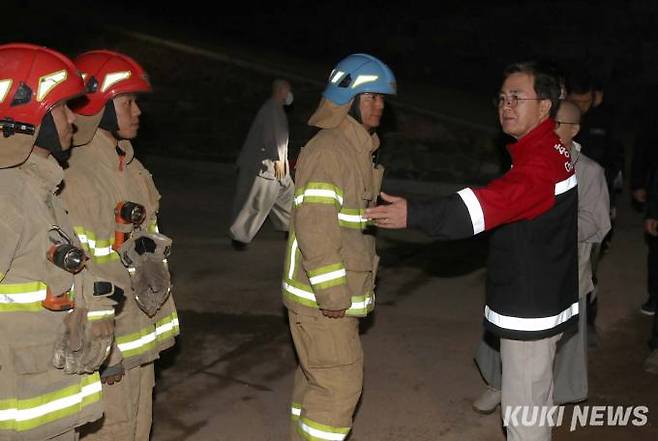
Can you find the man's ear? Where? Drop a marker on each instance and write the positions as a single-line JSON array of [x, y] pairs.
[[544, 108]]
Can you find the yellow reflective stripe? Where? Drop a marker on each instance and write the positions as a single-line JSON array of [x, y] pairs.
[[353, 218], [26, 414], [100, 314], [303, 294], [314, 431], [319, 193], [167, 327], [295, 411], [98, 248], [25, 296], [153, 226], [138, 342], [328, 276]]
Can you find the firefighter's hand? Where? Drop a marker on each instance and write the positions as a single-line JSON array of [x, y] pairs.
[[334, 314], [279, 169], [651, 226], [152, 284], [84, 343], [112, 374], [391, 215]]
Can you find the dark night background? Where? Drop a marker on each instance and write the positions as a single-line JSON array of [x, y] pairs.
[[447, 58]]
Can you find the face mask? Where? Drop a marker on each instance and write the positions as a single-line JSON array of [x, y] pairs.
[[289, 99]]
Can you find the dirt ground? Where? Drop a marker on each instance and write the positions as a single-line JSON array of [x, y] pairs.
[[229, 377]]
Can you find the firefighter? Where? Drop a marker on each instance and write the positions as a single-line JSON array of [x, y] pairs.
[[330, 268], [56, 320], [114, 204]]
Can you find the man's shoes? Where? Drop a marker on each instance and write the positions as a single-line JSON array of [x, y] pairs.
[[649, 307], [238, 246], [488, 401], [651, 363]]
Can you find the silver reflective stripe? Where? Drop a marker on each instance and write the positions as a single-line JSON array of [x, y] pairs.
[[167, 327], [354, 218], [530, 324], [318, 192], [299, 292], [322, 434], [51, 406], [566, 185], [328, 276], [24, 297], [474, 209], [293, 254], [142, 341]]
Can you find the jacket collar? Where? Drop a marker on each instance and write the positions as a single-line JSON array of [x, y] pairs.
[[359, 136], [534, 139], [45, 172], [110, 153]]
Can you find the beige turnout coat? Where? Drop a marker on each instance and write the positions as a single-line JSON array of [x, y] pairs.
[[331, 261], [99, 176], [37, 401]]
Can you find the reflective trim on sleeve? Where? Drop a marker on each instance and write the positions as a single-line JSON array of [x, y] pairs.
[[167, 327], [303, 294], [328, 276], [22, 296], [530, 324], [100, 314], [319, 193], [474, 209], [295, 411], [313, 431], [566, 185], [25, 414], [100, 249], [353, 218]]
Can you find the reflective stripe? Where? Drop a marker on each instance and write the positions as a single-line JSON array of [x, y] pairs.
[[25, 414], [100, 314], [566, 185], [295, 411], [293, 258], [167, 327], [22, 296], [319, 193], [353, 218], [153, 226], [328, 276], [530, 324], [313, 431], [100, 249], [140, 342], [137, 343], [474, 209], [303, 294]]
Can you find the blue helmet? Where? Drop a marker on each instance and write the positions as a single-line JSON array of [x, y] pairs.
[[359, 73]]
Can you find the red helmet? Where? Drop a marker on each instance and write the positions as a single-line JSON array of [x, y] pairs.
[[108, 74], [32, 80]]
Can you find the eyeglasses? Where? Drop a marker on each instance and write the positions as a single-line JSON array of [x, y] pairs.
[[559, 123], [512, 100]]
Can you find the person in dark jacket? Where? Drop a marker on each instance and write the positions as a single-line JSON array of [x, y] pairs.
[[532, 281], [643, 170], [651, 227], [597, 134]]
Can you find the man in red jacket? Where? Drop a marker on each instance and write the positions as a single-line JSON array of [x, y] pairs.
[[532, 281]]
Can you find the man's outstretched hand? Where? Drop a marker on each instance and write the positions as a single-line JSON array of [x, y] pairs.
[[391, 215]]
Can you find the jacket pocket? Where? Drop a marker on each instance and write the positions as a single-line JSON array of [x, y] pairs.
[[325, 342], [34, 359]]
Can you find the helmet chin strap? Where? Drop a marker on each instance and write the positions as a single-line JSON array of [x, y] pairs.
[[355, 110], [48, 138], [109, 120]]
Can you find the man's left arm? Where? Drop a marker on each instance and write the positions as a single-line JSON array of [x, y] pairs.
[[593, 206]]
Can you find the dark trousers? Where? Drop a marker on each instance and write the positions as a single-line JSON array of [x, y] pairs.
[[652, 266]]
